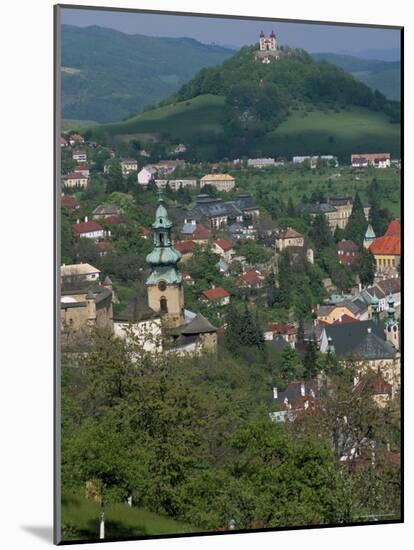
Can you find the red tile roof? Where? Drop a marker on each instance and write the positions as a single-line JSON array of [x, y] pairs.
[[386, 246], [347, 246], [252, 277], [75, 176], [394, 229], [281, 328], [86, 227], [201, 233], [370, 156], [224, 244], [69, 202], [76, 137], [184, 246], [113, 220], [345, 319], [145, 232], [289, 233], [215, 293]]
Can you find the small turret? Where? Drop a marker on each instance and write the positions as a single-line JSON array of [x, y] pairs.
[[369, 237], [392, 329], [375, 309]]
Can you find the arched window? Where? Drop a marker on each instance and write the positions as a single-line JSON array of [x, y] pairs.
[[162, 239], [163, 305]]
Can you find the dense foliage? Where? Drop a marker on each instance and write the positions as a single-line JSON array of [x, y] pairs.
[[190, 438]]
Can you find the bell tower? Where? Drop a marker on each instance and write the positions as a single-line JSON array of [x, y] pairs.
[[164, 285], [392, 329]]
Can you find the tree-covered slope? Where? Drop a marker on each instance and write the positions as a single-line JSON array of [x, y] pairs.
[[107, 75], [384, 76]]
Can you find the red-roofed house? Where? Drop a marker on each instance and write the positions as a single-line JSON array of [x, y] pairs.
[[387, 249], [63, 142], [89, 230], [288, 237], [285, 330], [347, 252], [379, 388], [379, 160], [145, 233], [76, 138], [186, 249], [75, 179], [394, 229], [200, 234], [252, 278], [218, 296], [69, 202], [224, 248]]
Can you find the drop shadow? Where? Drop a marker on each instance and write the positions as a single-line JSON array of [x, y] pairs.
[[43, 532]]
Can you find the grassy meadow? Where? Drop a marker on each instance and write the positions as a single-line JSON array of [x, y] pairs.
[[81, 517]]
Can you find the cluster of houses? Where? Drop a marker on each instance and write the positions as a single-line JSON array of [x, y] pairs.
[[337, 211]]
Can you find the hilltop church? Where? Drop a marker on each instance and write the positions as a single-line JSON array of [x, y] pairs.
[[268, 50], [159, 319]]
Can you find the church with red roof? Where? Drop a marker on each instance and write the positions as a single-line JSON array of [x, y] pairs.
[[387, 249]]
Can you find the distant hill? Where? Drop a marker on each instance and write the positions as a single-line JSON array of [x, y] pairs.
[[296, 105], [107, 75], [377, 74]]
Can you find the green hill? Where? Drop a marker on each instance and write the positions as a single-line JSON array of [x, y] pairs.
[[107, 75], [384, 76], [295, 105]]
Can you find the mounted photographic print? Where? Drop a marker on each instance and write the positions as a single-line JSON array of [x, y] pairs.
[[228, 274]]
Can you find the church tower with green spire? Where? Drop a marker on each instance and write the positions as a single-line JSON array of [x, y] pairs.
[[164, 285]]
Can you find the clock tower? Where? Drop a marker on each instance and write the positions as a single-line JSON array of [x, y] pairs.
[[164, 285]]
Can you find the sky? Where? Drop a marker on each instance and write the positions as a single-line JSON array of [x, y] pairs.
[[236, 33]]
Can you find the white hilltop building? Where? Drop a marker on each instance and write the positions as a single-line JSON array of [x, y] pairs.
[[268, 50]]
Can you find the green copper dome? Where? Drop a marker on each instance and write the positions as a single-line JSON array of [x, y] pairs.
[[374, 300], [163, 256]]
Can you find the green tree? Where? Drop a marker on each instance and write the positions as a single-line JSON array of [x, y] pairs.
[[310, 360], [115, 179], [357, 223], [291, 366], [366, 268], [320, 232]]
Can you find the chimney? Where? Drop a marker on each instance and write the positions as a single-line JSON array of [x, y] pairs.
[[78, 220], [275, 393], [86, 218], [302, 389]]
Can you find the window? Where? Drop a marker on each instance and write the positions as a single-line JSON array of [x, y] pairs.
[[163, 305]]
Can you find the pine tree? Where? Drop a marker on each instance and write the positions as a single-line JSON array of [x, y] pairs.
[[310, 361], [357, 223], [291, 366], [366, 268], [291, 210], [320, 232], [115, 178]]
